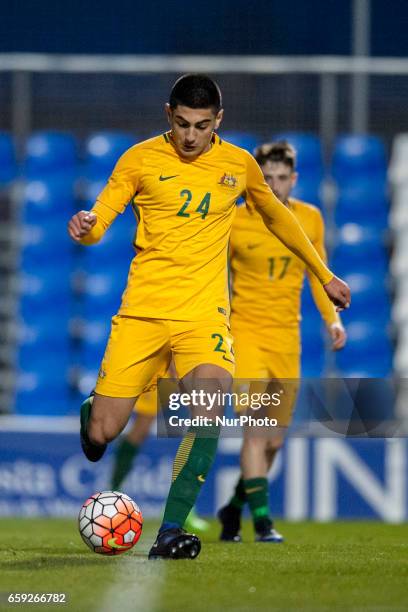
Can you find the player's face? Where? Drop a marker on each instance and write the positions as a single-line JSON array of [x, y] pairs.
[[280, 178], [192, 129]]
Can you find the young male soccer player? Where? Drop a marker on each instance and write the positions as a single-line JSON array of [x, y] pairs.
[[265, 315], [176, 304]]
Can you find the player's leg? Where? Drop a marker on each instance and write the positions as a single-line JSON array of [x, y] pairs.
[[254, 475], [129, 445], [204, 359], [137, 352], [102, 419], [197, 450], [249, 366], [272, 448], [284, 371], [251, 488]]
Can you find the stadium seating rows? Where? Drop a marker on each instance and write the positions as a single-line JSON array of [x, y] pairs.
[[69, 293]]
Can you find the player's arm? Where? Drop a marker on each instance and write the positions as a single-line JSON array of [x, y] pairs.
[[323, 304], [281, 222], [88, 227]]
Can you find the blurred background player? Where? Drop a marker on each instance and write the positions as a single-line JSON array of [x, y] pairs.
[[129, 446], [265, 322]]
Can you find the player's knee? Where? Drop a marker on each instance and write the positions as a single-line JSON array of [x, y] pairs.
[[255, 443], [274, 444], [96, 436], [101, 432]]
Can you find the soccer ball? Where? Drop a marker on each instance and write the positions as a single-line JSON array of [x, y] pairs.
[[110, 522]]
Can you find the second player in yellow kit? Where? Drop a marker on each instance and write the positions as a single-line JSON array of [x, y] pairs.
[[270, 278], [267, 282]]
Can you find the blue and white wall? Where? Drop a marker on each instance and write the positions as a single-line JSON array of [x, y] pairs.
[[44, 472]]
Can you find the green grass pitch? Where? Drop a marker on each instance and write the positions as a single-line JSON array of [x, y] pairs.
[[339, 566]]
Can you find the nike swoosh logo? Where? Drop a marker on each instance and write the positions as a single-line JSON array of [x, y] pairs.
[[166, 178], [252, 246], [201, 478], [112, 544], [253, 490]]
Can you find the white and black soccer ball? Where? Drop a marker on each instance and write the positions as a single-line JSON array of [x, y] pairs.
[[110, 522]]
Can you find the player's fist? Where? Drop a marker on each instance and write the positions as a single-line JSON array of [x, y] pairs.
[[338, 336], [339, 293], [81, 224]]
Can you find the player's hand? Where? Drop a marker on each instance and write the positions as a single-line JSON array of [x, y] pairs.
[[81, 224], [339, 293], [338, 336]]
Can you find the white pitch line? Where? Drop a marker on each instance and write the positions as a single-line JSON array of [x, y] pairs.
[[137, 583]]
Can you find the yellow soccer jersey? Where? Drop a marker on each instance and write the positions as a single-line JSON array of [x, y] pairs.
[[186, 211], [268, 279]]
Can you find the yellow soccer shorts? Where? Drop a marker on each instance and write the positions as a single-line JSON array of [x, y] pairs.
[[268, 371], [140, 350], [146, 403]]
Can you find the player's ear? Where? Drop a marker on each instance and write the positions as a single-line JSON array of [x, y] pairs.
[[218, 118], [168, 112], [294, 178]]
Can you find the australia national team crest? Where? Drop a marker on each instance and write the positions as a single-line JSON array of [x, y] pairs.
[[228, 179]]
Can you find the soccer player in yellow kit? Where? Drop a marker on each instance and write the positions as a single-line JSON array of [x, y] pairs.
[[176, 303], [265, 317]]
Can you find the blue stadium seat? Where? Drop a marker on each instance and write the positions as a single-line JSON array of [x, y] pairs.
[[307, 190], [42, 379], [42, 244], [313, 349], [89, 191], [313, 360], [50, 152], [46, 201], [102, 151], [365, 237], [45, 291], [359, 157], [42, 392], [245, 140], [359, 247], [8, 165], [368, 352], [363, 201], [47, 329], [102, 292], [309, 153], [369, 297]]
